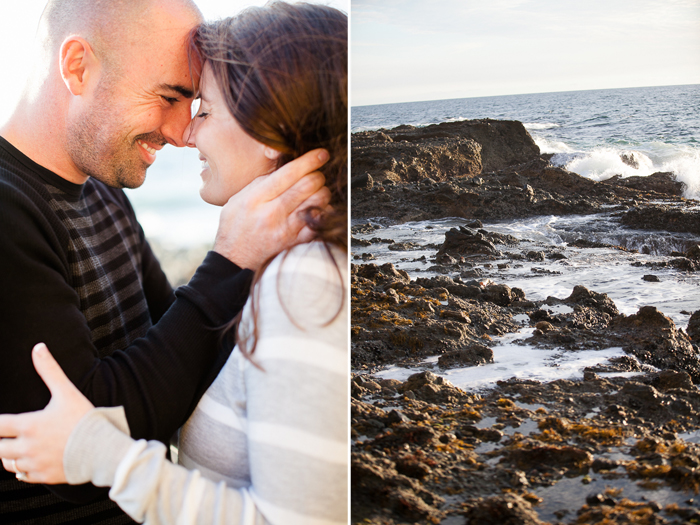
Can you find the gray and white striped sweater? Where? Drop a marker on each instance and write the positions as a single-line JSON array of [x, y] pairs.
[[270, 443]]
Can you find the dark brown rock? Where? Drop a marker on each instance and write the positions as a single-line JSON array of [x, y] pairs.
[[670, 379], [660, 182], [508, 509], [499, 294], [406, 433], [599, 301], [465, 241], [354, 241], [654, 339], [569, 457], [665, 218], [630, 158], [471, 356], [384, 272], [441, 151], [362, 182], [375, 484], [693, 329]]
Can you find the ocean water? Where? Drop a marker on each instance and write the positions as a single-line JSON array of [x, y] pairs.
[[586, 130]]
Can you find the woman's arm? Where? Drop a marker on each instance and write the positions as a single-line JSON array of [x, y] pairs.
[[93, 444], [147, 486]]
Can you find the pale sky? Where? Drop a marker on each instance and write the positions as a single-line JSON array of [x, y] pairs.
[[415, 50], [18, 26]]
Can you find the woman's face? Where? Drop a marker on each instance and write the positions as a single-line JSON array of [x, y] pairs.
[[231, 158]]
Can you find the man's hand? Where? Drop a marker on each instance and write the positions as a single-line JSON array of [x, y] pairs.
[[265, 218]]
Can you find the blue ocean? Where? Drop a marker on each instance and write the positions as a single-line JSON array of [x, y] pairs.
[[586, 130]]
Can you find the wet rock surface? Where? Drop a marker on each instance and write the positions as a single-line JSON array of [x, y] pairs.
[[500, 456], [664, 218], [426, 451], [397, 320], [615, 446], [401, 321], [421, 173]]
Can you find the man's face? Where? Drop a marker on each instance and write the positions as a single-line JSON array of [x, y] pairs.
[[130, 115]]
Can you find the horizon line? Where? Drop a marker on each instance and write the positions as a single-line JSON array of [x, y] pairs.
[[518, 94]]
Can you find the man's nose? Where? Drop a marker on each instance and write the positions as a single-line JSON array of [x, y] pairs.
[[189, 134], [176, 126]]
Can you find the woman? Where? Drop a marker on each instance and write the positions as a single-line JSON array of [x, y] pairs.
[[268, 440]]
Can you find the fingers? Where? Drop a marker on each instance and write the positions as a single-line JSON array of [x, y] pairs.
[[297, 219], [17, 467], [48, 369], [10, 448], [292, 172], [8, 428], [319, 199], [305, 235], [9, 464], [297, 195]]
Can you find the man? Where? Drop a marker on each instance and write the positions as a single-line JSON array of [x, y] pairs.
[[111, 86]]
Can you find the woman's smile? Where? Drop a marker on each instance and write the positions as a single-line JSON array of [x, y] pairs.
[[231, 159]]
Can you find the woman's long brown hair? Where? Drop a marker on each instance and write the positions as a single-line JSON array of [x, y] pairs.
[[283, 69]]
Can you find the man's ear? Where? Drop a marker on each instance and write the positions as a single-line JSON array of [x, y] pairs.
[[78, 64], [271, 153]]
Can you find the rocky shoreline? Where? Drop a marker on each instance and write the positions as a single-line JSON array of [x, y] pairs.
[[404, 175], [614, 447]]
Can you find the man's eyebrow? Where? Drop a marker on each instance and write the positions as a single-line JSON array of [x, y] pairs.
[[182, 90]]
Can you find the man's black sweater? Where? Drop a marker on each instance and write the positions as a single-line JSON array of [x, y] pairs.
[[77, 273]]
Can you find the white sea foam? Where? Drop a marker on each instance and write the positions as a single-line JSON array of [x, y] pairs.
[[514, 359], [586, 130], [455, 119], [540, 125], [603, 163], [551, 146], [613, 272], [687, 169], [358, 129], [657, 124]]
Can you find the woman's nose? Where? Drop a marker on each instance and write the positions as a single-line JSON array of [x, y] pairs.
[[189, 134]]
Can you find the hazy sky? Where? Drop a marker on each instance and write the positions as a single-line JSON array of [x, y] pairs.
[[18, 24], [413, 50]]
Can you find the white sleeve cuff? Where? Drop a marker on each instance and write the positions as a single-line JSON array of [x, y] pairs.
[[96, 446]]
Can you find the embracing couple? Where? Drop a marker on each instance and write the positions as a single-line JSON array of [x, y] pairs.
[[245, 367]]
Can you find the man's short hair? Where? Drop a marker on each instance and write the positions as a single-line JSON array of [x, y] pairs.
[[108, 25]]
